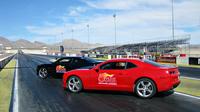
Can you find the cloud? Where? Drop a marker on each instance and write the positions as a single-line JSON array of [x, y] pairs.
[[137, 21], [125, 5], [46, 30], [76, 11], [111, 4], [47, 23]]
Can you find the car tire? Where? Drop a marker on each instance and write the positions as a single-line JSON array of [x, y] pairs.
[[145, 88], [43, 73], [74, 84]]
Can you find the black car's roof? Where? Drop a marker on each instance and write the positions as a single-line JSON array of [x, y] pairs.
[[79, 57], [71, 57]]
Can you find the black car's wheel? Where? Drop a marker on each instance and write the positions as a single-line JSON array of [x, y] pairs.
[[43, 73], [74, 84], [145, 88]]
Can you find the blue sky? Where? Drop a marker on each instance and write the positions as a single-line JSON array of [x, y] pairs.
[[137, 20]]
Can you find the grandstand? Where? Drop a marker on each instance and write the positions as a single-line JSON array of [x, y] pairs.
[[156, 47]]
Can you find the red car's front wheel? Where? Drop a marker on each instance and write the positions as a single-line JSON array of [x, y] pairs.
[[74, 84], [145, 88]]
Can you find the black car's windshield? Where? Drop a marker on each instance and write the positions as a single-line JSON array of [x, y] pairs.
[[87, 67], [90, 60]]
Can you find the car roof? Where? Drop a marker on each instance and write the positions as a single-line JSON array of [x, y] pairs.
[[71, 57], [125, 59], [78, 57]]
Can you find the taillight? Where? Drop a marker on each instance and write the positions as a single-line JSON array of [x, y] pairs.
[[171, 72]]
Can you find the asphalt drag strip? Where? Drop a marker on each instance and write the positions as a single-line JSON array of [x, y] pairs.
[[38, 95]]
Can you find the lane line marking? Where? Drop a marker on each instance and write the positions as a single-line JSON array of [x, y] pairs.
[[195, 97], [190, 78], [16, 96]]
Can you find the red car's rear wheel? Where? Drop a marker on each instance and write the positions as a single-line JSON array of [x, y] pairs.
[[74, 84], [145, 88]]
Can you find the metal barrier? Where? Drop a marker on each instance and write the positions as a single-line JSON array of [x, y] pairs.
[[5, 61]]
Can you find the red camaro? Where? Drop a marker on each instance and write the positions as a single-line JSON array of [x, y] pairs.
[[144, 77]]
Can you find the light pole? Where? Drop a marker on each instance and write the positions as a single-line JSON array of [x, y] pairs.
[[199, 22], [88, 28], [172, 19], [72, 33], [72, 38], [62, 38], [114, 16]]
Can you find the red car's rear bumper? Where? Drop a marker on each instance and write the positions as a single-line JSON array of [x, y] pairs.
[[168, 83]]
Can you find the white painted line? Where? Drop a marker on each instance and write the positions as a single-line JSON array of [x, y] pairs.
[[16, 97], [195, 97], [190, 78]]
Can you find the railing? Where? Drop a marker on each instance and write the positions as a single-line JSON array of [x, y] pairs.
[[5, 61]]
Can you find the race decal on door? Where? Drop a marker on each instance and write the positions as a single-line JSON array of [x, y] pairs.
[[105, 78], [60, 69]]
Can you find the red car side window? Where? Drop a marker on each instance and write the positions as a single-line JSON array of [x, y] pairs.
[[113, 66], [130, 65]]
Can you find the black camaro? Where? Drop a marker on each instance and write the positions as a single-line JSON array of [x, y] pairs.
[[63, 65]]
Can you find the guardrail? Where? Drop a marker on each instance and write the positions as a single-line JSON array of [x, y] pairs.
[[5, 61]]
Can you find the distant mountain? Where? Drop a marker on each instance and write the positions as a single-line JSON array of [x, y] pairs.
[[24, 43], [67, 43], [5, 42], [40, 44], [72, 43]]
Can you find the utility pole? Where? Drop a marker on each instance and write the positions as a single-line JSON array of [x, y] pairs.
[[88, 28], [114, 16], [72, 33], [62, 37], [199, 22], [172, 19]]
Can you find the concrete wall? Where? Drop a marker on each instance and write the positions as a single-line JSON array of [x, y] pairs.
[[5, 60], [11, 51], [34, 51]]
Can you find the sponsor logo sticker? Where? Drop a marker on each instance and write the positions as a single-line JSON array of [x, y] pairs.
[[60, 69], [108, 79]]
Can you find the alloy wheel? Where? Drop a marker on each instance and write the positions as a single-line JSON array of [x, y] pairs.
[[74, 84], [43, 73], [145, 88]]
